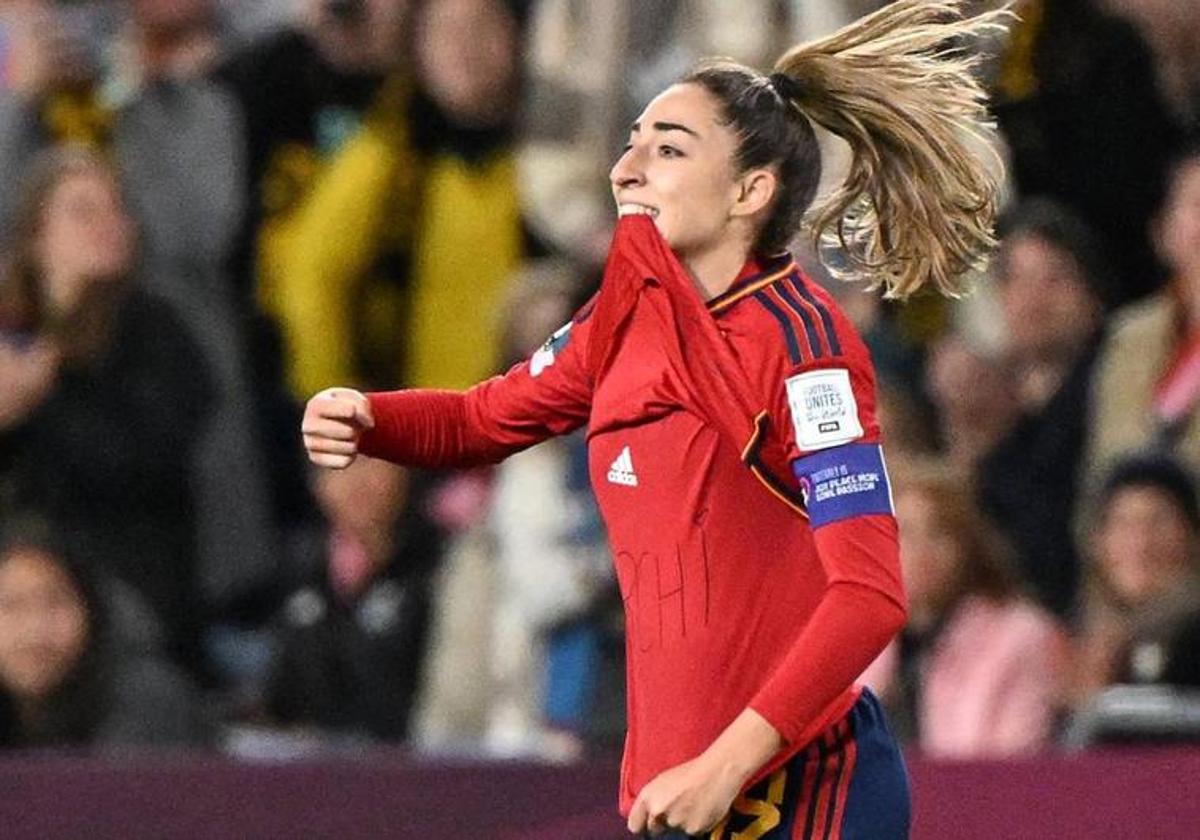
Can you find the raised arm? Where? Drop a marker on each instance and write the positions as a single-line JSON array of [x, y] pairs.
[[546, 395]]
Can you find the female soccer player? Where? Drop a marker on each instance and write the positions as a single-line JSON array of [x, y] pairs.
[[732, 436]]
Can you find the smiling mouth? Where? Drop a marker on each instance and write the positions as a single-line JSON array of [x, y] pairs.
[[637, 210]]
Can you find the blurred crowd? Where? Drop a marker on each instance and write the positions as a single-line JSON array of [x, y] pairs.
[[211, 209]]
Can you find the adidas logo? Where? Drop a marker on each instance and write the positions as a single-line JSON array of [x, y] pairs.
[[621, 471]]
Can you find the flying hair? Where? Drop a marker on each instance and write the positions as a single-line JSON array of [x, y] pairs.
[[918, 204]]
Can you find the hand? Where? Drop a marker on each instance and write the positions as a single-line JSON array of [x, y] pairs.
[[334, 420], [693, 796], [26, 379], [696, 795]]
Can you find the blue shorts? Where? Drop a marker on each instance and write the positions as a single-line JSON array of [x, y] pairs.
[[848, 784]]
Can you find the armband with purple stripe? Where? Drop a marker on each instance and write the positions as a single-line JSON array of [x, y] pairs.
[[843, 482]]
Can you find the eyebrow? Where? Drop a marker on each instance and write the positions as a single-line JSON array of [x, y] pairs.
[[666, 126]]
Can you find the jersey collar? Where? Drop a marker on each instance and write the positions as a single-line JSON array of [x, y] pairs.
[[755, 274]]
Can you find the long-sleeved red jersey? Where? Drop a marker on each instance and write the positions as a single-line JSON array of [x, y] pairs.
[[735, 456]]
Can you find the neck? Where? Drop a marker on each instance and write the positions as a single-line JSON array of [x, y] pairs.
[[713, 271], [62, 292]]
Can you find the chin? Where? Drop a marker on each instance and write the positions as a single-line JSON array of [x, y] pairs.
[[669, 232]]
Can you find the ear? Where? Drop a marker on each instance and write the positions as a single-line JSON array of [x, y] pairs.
[[755, 190]]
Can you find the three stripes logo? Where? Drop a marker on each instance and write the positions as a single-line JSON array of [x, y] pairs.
[[621, 471]]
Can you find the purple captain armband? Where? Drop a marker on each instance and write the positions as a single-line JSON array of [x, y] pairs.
[[844, 482]]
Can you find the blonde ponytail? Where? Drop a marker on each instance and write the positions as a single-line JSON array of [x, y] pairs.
[[919, 202]]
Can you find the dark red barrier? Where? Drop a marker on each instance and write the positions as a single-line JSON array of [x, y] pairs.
[[1111, 795]]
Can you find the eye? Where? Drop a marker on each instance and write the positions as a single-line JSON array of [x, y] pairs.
[[669, 152]]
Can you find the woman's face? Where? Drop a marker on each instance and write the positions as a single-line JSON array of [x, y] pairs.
[[43, 623], [679, 169], [1047, 304], [1179, 233], [467, 54], [1144, 544], [85, 236], [362, 36], [931, 557], [968, 389]]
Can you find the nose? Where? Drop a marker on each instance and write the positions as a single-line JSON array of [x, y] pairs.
[[627, 171]]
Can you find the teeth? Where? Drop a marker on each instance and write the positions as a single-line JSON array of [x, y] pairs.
[[636, 209]]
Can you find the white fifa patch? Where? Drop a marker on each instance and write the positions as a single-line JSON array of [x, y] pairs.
[[541, 360], [544, 357], [621, 471], [824, 411]]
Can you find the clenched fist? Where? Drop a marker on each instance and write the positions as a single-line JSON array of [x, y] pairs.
[[334, 420]]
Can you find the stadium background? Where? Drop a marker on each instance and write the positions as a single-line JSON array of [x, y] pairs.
[[386, 193]]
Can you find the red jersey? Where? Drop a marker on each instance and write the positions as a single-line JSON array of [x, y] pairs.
[[734, 454]]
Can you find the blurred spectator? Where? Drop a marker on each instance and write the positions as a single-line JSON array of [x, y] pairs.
[[383, 190], [457, 686], [247, 20], [1172, 29], [469, 232], [902, 403], [173, 135], [1145, 549], [1147, 384], [592, 67], [1053, 277], [523, 660], [910, 432], [102, 392], [1165, 647], [331, 187], [352, 630], [141, 96], [976, 673], [975, 399], [54, 57], [1080, 107], [550, 628], [64, 681]]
